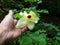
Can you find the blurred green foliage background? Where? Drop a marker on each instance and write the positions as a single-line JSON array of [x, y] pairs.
[[46, 32]]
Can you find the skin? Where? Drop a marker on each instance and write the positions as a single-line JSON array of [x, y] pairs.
[[8, 29]]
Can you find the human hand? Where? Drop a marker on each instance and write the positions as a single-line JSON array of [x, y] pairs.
[[8, 29]]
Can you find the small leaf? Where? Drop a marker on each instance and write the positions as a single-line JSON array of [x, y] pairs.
[[43, 11], [18, 16]]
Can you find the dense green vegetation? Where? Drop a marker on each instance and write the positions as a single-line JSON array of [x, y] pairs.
[[43, 33]]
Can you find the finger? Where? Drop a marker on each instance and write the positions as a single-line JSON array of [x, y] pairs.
[[10, 13], [15, 22], [23, 29], [16, 32], [19, 32], [8, 19]]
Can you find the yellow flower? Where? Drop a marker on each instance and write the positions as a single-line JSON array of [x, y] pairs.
[[28, 19]]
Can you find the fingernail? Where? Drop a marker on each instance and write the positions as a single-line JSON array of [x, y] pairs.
[[10, 12]]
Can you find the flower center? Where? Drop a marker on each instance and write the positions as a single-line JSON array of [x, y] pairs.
[[29, 16]]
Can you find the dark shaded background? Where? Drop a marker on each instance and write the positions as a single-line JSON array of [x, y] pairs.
[[53, 6]]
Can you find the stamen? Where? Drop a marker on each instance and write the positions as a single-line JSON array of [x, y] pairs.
[[29, 16]]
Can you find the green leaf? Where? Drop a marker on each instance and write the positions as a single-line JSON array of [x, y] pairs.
[[18, 16], [43, 11], [41, 31], [30, 1]]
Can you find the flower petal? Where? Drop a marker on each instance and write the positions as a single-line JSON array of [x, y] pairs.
[[36, 20], [21, 13], [30, 25], [21, 23], [25, 13], [32, 13]]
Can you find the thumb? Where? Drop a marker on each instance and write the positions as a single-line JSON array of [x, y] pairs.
[[8, 18], [10, 13]]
